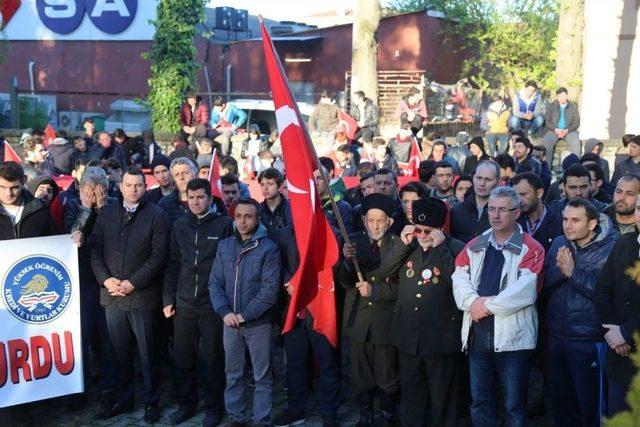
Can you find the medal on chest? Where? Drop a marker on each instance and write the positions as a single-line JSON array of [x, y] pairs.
[[410, 272]]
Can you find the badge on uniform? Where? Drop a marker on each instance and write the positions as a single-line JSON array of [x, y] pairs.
[[410, 271]]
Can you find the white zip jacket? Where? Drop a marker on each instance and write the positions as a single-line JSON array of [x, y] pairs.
[[516, 317]]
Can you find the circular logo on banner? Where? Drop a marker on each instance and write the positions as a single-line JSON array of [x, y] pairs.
[[61, 17], [113, 16], [37, 289]]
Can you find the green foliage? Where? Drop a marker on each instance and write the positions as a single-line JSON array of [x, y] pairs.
[[632, 417], [32, 112], [512, 40], [173, 59]]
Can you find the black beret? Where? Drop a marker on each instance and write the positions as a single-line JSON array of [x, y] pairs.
[[430, 212], [378, 201]]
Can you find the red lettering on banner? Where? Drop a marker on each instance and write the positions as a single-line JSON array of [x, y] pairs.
[[3, 365], [41, 366], [36, 359], [65, 368], [18, 359]]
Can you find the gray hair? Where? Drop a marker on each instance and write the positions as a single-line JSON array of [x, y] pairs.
[[94, 175], [491, 163], [184, 161], [505, 192]]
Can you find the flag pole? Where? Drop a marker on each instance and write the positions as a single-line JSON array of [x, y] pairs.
[[325, 179]]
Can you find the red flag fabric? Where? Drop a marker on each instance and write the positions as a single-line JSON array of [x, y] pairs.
[[313, 287], [348, 124], [49, 135], [214, 175], [9, 154], [411, 167], [7, 9]]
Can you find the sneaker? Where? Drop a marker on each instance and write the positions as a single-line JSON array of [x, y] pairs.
[[287, 419]]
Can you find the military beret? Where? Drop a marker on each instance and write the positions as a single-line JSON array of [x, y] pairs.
[[430, 212], [378, 201]]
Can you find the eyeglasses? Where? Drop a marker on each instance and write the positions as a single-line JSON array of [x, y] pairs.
[[502, 211], [418, 232]]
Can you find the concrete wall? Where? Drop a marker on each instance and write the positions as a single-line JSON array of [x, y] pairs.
[[610, 104]]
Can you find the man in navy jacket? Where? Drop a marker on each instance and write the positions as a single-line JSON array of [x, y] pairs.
[[244, 285]]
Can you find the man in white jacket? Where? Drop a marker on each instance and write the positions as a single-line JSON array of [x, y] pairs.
[[495, 284]]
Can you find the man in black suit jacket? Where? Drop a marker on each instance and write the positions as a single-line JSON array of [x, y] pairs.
[[129, 247], [368, 309], [425, 321]]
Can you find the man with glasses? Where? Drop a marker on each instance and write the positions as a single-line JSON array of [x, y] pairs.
[[425, 321], [494, 284]]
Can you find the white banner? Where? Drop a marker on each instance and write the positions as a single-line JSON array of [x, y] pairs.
[[104, 20], [40, 342]]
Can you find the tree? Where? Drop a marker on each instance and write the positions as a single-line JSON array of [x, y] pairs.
[[507, 41], [632, 416], [569, 56], [364, 61], [173, 59]]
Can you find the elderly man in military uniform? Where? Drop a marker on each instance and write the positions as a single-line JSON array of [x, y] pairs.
[[367, 311], [425, 321]]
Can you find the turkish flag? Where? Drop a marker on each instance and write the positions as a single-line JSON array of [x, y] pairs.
[[49, 135], [9, 154], [7, 9], [313, 287], [411, 168], [348, 124], [214, 175]]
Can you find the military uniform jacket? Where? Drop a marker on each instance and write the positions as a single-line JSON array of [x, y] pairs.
[[367, 319], [425, 320]]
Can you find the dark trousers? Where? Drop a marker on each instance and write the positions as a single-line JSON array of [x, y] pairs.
[[193, 329], [124, 327], [296, 345], [616, 397], [373, 366], [95, 335], [429, 382], [511, 368], [365, 133], [574, 376]]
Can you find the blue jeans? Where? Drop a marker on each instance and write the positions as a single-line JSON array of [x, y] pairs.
[[504, 143], [516, 123], [258, 340], [511, 368], [574, 377]]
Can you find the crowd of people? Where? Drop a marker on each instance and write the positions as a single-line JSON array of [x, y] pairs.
[[480, 275]]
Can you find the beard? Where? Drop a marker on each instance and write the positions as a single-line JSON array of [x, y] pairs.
[[621, 210], [377, 236]]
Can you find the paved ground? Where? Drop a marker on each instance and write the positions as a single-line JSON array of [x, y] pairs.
[[67, 412]]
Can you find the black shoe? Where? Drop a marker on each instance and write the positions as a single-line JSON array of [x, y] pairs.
[[331, 421], [366, 418], [151, 414], [389, 419], [211, 418], [286, 419], [182, 414], [115, 410]]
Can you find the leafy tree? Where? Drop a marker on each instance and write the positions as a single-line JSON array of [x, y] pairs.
[[173, 59], [510, 41], [631, 417]]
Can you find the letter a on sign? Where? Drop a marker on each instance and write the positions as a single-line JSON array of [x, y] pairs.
[[112, 16]]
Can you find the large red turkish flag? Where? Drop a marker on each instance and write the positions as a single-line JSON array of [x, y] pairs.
[[7, 9], [313, 281]]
